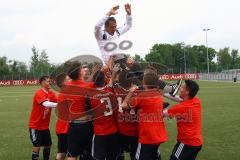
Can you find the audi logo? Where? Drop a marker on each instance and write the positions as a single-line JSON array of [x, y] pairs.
[[18, 82], [190, 76], [164, 77]]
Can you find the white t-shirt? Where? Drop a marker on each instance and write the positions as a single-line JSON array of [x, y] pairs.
[[104, 38]]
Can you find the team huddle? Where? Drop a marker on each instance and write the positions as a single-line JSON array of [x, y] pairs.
[[106, 111]]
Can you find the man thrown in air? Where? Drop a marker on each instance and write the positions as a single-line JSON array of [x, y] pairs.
[[111, 32]]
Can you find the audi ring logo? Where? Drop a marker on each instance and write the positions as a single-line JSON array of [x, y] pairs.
[[18, 83], [164, 77], [190, 76]]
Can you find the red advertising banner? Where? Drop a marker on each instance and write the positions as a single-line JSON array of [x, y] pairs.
[[18, 82], [35, 81], [179, 76]]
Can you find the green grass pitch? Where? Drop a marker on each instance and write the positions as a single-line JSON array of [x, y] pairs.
[[221, 123]]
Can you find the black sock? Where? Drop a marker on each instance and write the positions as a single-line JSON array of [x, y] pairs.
[[35, 155], [46, 153]]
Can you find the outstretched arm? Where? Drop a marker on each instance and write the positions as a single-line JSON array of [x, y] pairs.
[[98, 26], [128, 23], [49, 104]]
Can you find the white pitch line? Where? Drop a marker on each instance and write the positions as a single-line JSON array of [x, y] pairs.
[[16, 92], [27, 95], [217, 87], [221, 81]]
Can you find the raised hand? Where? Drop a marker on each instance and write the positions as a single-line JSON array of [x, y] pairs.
[[113, 11], [128, 8]]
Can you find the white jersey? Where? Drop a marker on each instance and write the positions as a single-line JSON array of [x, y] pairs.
[[103, 37]]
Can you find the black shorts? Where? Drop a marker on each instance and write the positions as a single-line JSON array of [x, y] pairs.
[[182, 152], [105, 147], [129, 144], [40, 137], [147, 152], [62, 143], [80, 139]]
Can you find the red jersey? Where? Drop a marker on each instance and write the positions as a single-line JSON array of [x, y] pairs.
[[102, 106], [40, 115], [151, 126], [61, 125], [72, 100], [189, 121], [126, 119]]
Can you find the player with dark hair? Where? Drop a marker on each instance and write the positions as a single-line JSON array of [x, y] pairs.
[[111, 31], [151, 127], [80, 128], [61, 79], [105, 143], [62, 125], [43, 102], [126, 119], [188, 114]]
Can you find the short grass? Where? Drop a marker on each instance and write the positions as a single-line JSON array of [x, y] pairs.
[[221, 123]]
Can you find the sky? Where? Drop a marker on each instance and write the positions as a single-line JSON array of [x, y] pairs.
[[64, 28]]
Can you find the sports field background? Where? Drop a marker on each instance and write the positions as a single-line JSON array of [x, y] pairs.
[[221, 123]]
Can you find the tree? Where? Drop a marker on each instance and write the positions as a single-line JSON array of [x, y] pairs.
[[17, 69], [4, 69], [22, 67], [13, 67], [161, 53], [238, 62], [234, 56], [39, 63], [201, 55], [224, 59], [34, 63], [172, 55], [138, 58], [44, 63], [192, 62]]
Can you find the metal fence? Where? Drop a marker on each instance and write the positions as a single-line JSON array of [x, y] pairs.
[[18, 77], [220, 76]]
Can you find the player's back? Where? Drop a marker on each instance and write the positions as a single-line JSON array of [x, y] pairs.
[[126, 119], [72, 99], [102, 108], [150, 116], [62, 125]]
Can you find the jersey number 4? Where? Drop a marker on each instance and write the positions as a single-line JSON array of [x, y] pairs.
[[120, 109]]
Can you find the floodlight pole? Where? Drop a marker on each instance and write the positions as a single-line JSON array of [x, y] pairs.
[[206, 30]]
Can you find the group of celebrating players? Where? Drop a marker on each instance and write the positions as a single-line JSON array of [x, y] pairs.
[[106, 111]]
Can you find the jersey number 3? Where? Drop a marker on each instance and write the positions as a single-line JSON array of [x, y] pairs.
[[107, 102]]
